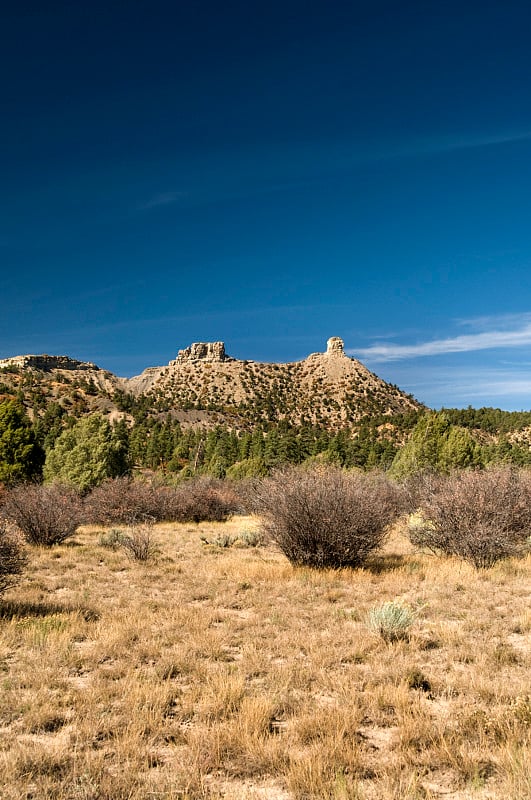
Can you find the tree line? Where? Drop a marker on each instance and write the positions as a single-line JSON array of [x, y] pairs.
[[85, 450]]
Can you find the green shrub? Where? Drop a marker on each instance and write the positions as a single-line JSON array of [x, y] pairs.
[[391, 620], [112, 539], [251, 538], [436, 444], [245, 538], [223, 540], [86, 454], [21, 458], [247, 468]]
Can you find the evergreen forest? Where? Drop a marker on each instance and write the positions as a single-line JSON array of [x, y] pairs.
[[48, 441]]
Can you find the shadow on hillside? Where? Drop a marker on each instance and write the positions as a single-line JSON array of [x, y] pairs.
[[13, 609]]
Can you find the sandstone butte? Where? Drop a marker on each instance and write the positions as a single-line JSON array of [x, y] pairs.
[[328, 388]]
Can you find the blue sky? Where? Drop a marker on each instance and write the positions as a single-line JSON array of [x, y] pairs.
[[271, 176]]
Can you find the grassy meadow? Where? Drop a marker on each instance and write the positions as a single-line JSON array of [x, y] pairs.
[[215, 669]]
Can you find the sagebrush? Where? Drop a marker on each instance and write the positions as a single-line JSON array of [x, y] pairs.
[[391, 620]]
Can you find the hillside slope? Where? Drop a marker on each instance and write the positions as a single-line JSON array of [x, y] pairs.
[[328, 389], [78, 387], [204, 386]]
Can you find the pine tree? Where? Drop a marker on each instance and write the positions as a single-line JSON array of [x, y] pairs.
[[85, 454], [272, 447], [438, 445], [21, 458], [257, 444], [458, 450], [121, 459]]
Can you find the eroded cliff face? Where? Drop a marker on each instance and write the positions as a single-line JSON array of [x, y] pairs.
[[327, 388], [202, 351], [80, 387], [46, 363]]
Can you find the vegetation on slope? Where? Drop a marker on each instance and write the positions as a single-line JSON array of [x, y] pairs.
[[236, 419]]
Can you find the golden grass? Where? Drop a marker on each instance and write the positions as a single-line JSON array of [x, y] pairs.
[[212, 672]]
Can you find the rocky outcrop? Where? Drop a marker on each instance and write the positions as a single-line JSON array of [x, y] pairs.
[[46, 363], [202, 351], [329, 389], [335, 346]]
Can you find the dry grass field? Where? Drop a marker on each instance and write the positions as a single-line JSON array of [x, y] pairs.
[[223, 672]]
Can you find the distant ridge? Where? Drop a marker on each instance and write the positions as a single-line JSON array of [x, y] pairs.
[[204, 385], [47, 363]]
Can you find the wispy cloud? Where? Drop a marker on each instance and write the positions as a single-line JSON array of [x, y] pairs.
[[415, 147], [498, 386], [469, 142], [161, 199], [460, 387], [507, 321], [485, 340]]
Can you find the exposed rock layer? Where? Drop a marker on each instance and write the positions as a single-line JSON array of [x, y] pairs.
[[202, 351], [328, 389], [46, 363], [335, 347]]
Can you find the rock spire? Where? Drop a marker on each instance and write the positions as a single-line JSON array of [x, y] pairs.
[[335, 346]]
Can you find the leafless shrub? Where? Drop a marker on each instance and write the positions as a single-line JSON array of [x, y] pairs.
[[138, 542], [481, 516], [419, 486], [12, 556], [244, 492], [124, 500], [199, 500], [46, 515], [326, 517]]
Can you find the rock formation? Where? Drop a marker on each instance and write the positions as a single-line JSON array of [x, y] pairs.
[[328, 389], [202, 351], [335, 346], [46, 363]]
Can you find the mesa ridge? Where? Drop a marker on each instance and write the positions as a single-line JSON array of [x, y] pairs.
[[206, 386]]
